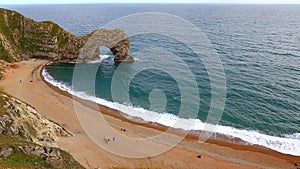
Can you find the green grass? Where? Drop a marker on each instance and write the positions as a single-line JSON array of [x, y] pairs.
[[14, 21], [38, 36], [4, 29], [4, 55], [17, 158], [21, 159], [8, 141], [63, 42], [55, 28]]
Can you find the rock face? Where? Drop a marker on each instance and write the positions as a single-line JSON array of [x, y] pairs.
[[21, 120], [6, 152], [17, 151], [22, 38], [116, 40], [27, 138], [27, 135]]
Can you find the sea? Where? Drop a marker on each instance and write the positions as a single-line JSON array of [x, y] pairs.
[[258, 47]]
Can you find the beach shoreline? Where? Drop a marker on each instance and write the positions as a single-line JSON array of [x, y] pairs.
[[219, 139], [235, 155]]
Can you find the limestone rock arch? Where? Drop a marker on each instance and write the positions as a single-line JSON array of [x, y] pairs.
[[116, 40]]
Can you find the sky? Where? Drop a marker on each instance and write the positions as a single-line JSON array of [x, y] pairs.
[[147, 1]]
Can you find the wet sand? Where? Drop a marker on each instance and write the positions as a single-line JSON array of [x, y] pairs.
[[58, 106]]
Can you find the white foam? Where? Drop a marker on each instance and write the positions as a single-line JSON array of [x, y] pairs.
[[286, 145], [103, 57], [60, 85], [293, 136], [94, 61], [289, 144]]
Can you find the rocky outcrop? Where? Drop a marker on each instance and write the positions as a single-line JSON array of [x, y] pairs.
[[52, 156], [6, 152], [22, 38], [2, 68], [17, 119], [27, 138], [29, 155], [116, 40]]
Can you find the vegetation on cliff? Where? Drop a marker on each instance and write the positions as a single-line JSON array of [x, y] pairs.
[[17, 153], [22, 37], [18, 119], [27, 139]]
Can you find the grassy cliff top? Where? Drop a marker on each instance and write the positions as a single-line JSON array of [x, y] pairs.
[[22, 38]]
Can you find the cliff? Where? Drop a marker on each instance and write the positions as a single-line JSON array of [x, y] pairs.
[[116, 40], [17, 119], [22, 38], [17, 153], [27, 139]]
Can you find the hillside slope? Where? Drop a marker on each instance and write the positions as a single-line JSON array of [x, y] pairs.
[[27, 139], [22, 37]]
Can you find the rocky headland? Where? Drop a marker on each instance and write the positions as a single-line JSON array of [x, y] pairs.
[[23, 38]]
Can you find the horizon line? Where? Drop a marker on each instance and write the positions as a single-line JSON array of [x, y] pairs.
[[145, 3]]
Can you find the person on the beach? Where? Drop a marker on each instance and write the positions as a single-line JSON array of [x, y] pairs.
[[105, 139]]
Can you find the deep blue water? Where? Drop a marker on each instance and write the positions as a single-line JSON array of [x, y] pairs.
[[259, 46]]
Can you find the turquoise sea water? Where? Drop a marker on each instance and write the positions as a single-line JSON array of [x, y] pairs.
[[257, 44]]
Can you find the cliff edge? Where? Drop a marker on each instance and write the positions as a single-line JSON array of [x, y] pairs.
[[23, 38], [27, 139]]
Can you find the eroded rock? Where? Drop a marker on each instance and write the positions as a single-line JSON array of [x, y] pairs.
[[6, 152], [116, 40], [24, 121], [23, 38]]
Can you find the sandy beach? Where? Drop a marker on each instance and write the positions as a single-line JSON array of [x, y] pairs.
[[24, 81]]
